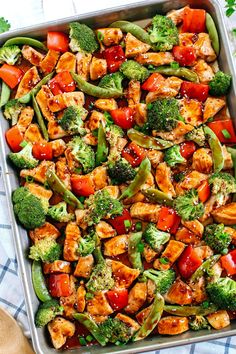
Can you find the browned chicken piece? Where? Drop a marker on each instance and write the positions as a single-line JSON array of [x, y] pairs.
[[202, 160], [121, 142], [98, 68], [63, 172], [149, 254], [105, 104], [199, 290], [95, 119], [191, 111], [176, 15], [68, 302], [90, 139], [129, 322], [137, 297], [60, 329], [105, 230], [116, 245], [110, 36], [25, 118], [204, 48], [63, 100], [124, 276], [179, 293], [73, 235], [151, 290], [33, 134], [203, 252], [29, 80], [169, 88], [99, 319], [155, 157], [66, 62], [55, 131], [49, 62], [83, 64], [58, 147], [39, 172], [185, 235], [42, 98], [195, 226], [133, 46], [219, 319], [114, 191], [172, 252], [44, 231], [212, 106], [210, 204], [163, 179], [226, 214], [140, 114], [142, 315], [145, 211], [81, 218], [32, 55], [84, 267], [177, 134], [156, 59], [187, 39], [232, 233], [204, 71], [172, 325], [100, 177], [133, 93], [137, 198], [39, 191], [99, 305], [81, 301], [191, 180], [217, 269], [228, 162], [57, 267]]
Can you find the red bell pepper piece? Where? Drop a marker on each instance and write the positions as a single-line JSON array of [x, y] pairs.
[[194, 20], [42, 151], [11, 75], [228, 262], [62, 82], [114, 56], [59, 285], [193, 90], [188, 262], [168, 220], [220, 125], [123, 117], [184, 55], [153, 82], [118, 299], [204, 191], [82, 185], [134, 154], [58, 41], [118, 222], [187, 149], [14, 138]]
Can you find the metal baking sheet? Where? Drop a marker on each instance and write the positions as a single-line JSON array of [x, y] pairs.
[[134, 12]]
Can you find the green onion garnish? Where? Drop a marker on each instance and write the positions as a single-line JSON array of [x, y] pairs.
[[174, 65], [127, 224], [82, 341], [140, 247], [164, 260], [89, 338], [138, 226], [226, 133]]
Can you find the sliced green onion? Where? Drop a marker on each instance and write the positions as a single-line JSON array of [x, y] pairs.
[[23, 143], [205, 304], [81, 199], [164, 260], [89, 296], [100, 36], [140, 247], [127, 224], [89, 338], [82, 341], [226, 133], [174, 65], [138, 226]]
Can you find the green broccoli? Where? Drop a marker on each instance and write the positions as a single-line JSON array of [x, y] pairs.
[[101, 278], [12, 110], [59, 212], [163, 33], [163, 279], [188, 205], [121, 171], [217, 238], [86, 246], [220, 84], [24, 158], [113, 134], [82, 38], [115, 331], [173, 156], [83, 154], [28, 208], [46, 250], [197, 135], [155, 238], [222, 184], [134, 71], [9, 55], [112, 82], [199, 322], [223, 293], [72, 120], [47, 311]]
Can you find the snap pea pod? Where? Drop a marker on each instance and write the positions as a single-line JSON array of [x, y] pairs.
[[39, 283], [148, 142], [204, 267], [40, 119], [213, 34], [156, 196], [190, 310], [185, 73], [94, 90], [134, 253], [152, 319], [25, 40], [216, 148], [92, 327], [140, 178], [233, 156], [102, 149], [5, 94], [58, 186], [134, 29]]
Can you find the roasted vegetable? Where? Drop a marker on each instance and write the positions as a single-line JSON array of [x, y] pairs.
[[82, 38], [134, 71], [197, 135], [154, 237], [47, 312], [217, 238], [162, 279], [223, 293], [220, 85], [9, 55], [46, 250], [121, 171], [83, 154], [72, 120], [173, 156], [163, 33], [59, 212], [188, 205], [24, 158]]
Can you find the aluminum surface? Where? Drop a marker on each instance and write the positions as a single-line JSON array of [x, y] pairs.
[[134, 12]]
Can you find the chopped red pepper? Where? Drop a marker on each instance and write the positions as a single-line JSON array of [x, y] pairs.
[[228, 262], [187, 149], [123, 117], [118, 222], [204, 191], [11, 75], [219, 125], [188, 262], [168, 220], [62, 82], [194, 20], [82, 185], [134, 154], [114, 56], [58, 41], [193, 90], [42, 151], [14, 138], [153, 82], [59, 285], [184, 55], [118, 299]]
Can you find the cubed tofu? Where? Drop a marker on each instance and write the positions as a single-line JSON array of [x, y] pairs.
[[63, 172], [95, 119], [100, 177], [116, 245], [137, 297], [73, 235], [124, 276], [49, 62], [25, 118], [204, 71], [83, 64], [81, 301], [163, 179], [191, 180], [134, 326], [42, 98], [172, 252], [177, 134], [99, 305], [203, 47], [29, 80], [212, 106], [202, 160], [109, 36], [133, 46], [84, 267], [172, 325], [191, 111], [63, 100], [39, 172], [104, 230], [58, 147], [44, 231], [145, 211], [57, 267], [32, 55], [66, 62], [55, 131], [60, 329], [219, 319], [98, 68], [69, 302], [33, 134], [156, 59], [140, 114], [179, 293], [106, 104], [226, 214]]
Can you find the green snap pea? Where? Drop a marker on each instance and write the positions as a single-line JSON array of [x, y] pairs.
[[5, 94], [39, 283], [25, 40], [156, 196], [40, 119], [216, 148], [148, 142], [102, 149], [213, 34], [204, 268], [134, 253], [134, 29], [190, 310], [184, 73], [92, 327], [232, 151]]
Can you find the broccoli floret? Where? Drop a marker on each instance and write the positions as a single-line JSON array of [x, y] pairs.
[[163, 115], [59, 212], [217, 238], [116, 331], [46, 250], [222, 184], [9, 55], [24, 158], [154, 237], [101, 278], [112, 82], [28, 208], [121, 171], [72, 120], [188, 205], [12, 110], [173, 156], [197, 135], [82, 38], [223, 293], [163, 279], [220, 84], [86, 246], [47, 311], [163, 33], [199, 322], [134, 71], [112, 135], [83, 154]]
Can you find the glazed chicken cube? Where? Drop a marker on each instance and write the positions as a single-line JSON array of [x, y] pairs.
[[116, 245], [25, 118], [145, 211], [99, 305], [179, 293], [202, 160], [84, 267], [60, 329], [140, 114], [172, 252], [134, 326], [105, 230], [81, 301], [73, 235], [95, 119], [137, 297], [204, 71], [212, 106], [123, 275], [177, 134], [63, 172], [49, 62], [156, 59], [105, 104], [57, 267], [226, 214], [134, 46], [191, 111], [219, 319], [68, 302], [172, 325], [42, 98], [44, 231], [168, 88], [55, 131], [83, 64], [58, 147], [29, 80], [109, 36], [39, 172], [133, 94], [32, 55], [66, 62], [98, 68], [33, 134], [204, 48], [61, 101], [163, 179]]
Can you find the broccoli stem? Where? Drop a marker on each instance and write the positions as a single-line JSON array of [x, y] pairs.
[[39, 283], [148, 142], [98, 251], [233, 155], [58, 186], [185, 73], [190, 310], [25, 40], [134, 253], [40, 118], [140, 178], [204, 268], [102, 150], [213, 34], [216, 148], [156, 196], [5, 94], [152, 319]]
